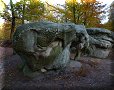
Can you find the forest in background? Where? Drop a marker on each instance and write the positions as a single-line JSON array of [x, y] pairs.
[[88, 12]]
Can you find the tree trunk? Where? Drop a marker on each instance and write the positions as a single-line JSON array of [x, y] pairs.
[[85, 19], [65, 13], [13, 19], [23, 11], [12, 27], [74, 10]]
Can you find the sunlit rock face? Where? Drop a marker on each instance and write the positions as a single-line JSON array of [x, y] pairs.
[[101, 42], [47, 44]]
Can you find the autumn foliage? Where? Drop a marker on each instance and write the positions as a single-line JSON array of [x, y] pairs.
[[86, 12]]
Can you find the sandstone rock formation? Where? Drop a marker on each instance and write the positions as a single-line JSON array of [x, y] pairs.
[[46, 45], [101, 42]]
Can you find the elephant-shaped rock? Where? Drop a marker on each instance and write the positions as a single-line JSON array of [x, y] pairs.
[[46, 44]]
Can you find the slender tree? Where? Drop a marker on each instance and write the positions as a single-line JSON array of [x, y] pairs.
[[23, 12], [30, 10], [13, 18], [87, 12], [111, 18]]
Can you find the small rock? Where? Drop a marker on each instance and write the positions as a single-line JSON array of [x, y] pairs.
[[100, 53], [43, 70], [74, 66], [72, 56]]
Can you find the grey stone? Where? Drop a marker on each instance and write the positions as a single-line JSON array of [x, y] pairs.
[[99, 53], [46, 44], [74, 65], [43, 70], [94, 31], [101, 42]]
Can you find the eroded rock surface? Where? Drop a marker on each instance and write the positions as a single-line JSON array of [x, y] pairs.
[[46, 45], [101, 42]]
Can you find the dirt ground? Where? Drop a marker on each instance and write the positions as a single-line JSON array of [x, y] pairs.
[[96, 77]]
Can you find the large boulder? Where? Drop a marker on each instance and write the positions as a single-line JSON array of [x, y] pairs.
[[101, 42], [46, 44]]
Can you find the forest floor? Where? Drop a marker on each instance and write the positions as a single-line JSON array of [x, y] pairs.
[[96, 77]]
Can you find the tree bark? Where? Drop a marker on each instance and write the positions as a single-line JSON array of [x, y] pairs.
[[13, 19], [74, 11], [23, 11]]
